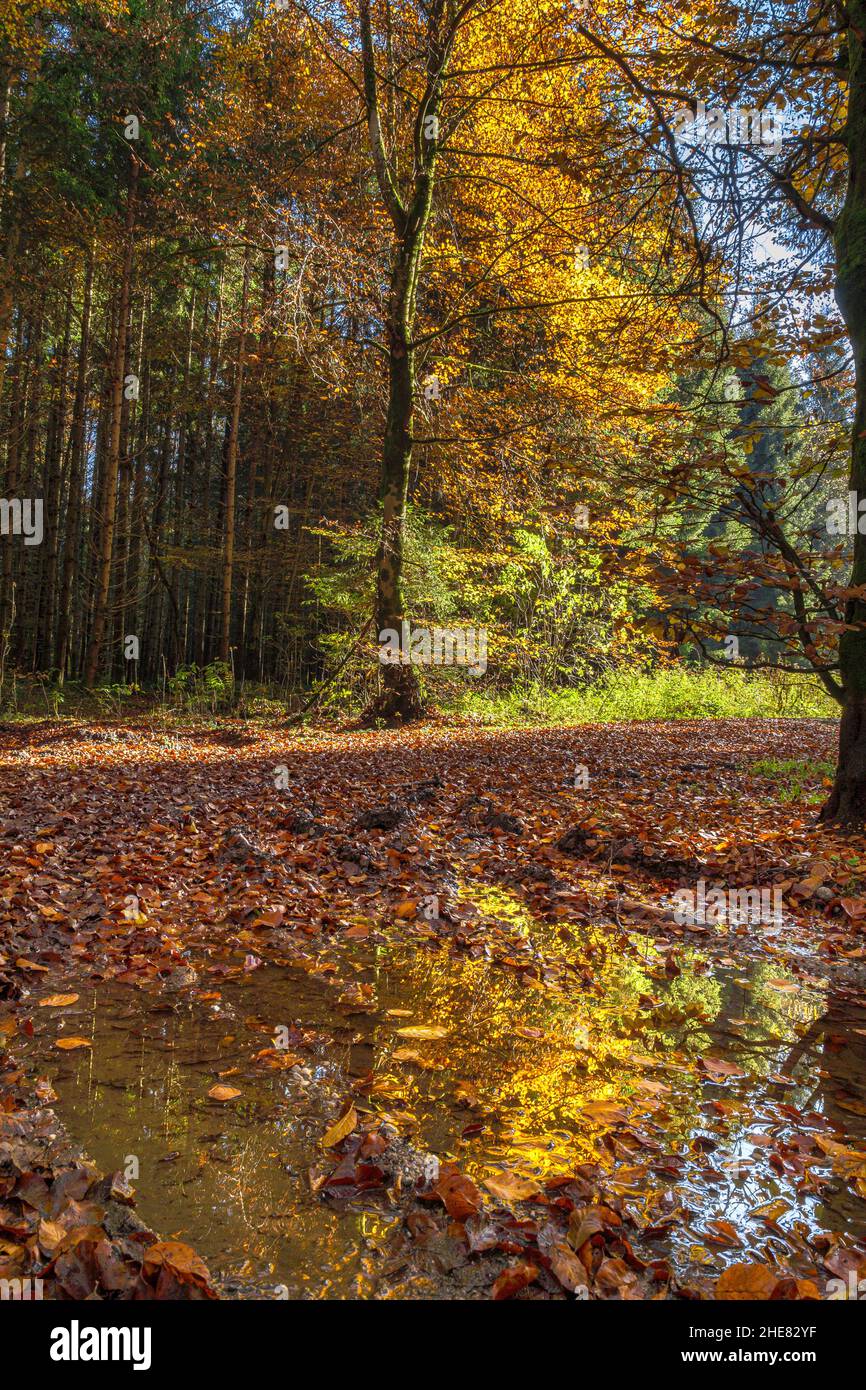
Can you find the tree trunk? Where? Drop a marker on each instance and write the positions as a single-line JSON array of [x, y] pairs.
[[400, 697], [54, 492], [112, 467], [11, 482], [232, 474], [76, 479], [846, 804]]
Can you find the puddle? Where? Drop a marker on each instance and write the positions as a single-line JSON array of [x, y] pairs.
[[527, 1078]]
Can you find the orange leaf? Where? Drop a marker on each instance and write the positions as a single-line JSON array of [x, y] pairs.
[[746, 1281], [223, 1092], [510, 1187]]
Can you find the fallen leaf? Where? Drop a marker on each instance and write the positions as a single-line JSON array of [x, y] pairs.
[[514, 1279], [510, 1187], [567, 1267], [746, 1281], [458, 1194], [338, 1131], [223, 1092], [423, 1031]]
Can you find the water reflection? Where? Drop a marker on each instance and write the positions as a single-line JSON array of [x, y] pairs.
[[535, 1066]]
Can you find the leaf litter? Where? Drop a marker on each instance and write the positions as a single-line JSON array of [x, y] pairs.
[[599, 1100]]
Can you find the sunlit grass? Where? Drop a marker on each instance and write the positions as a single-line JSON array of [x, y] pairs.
[[671, 693], [793, 779]]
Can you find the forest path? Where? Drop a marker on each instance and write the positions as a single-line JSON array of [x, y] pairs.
[[388, 959]]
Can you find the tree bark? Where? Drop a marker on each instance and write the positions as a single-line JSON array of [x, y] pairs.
[[232, 475], [109, 493], [846, 804], [400, 697]]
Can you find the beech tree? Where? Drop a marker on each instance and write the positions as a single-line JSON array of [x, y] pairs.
[[758, 119]]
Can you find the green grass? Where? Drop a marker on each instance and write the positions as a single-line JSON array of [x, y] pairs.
[[669, 693], [792, 779]]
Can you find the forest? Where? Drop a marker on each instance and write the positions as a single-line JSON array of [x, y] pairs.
[[432, 652]]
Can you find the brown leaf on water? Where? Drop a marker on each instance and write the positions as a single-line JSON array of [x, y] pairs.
[[567, 1267], [718, 1067], [466, 1093], [583, 1224], [275, 1057], [722, 1233], [57, 1001], [614, 1277], [223, 1092], [849, 1161], [458, 1194], [67, 1044], [746, 1281], [514, 1279], [604, 1112], [178, 1260], [510, 1187]]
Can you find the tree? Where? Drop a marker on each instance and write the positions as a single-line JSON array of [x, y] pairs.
[[759, 116], [496, 262]]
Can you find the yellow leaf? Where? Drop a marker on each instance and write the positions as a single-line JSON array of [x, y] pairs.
[[57, 1001], [68, 1043], [423, 1031], [344, 1126]]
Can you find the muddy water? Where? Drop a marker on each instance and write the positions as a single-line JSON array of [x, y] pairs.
[[526, 1078]]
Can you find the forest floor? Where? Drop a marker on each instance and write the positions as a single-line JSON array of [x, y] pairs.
[[364, 1014]]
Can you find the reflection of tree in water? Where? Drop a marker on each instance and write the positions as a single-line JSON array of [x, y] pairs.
[[829, 1059], [688, 1007], [757, 1019]]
